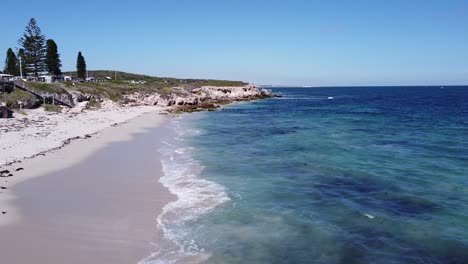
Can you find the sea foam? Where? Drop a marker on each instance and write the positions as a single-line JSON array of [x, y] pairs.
[[196, 196]]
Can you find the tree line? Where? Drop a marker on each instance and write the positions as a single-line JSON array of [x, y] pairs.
[[38, 55]]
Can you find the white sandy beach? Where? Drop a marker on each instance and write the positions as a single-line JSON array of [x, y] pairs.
[[89, 202], [39, 131]]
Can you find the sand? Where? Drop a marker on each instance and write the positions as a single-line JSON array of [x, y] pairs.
[[37, 130], [94, 201]]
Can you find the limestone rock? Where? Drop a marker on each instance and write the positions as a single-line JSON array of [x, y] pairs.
[[79, 108]]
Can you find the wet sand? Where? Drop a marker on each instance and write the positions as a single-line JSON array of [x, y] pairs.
[[94, 201]]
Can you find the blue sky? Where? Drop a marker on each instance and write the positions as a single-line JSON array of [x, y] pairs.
[[294, 42]]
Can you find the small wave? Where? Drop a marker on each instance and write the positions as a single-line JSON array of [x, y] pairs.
[[183, 150], [302, 98], [196, 197]]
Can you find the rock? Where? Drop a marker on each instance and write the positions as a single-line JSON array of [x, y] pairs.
[[79, 108], [265, 92], [3, 188], [18, 169], [78, 96], [4, 212], [4, 171], [190, 99], [5, 112], [109, 104]]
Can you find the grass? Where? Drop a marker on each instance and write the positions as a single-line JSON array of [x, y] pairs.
[[46, 87], [94, 103], [166, 90], [53, 108], [158, 82], [11, 99], [115, 97], [68, 84]]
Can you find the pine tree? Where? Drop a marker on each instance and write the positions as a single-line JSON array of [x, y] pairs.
[[52, 59], [81, 66], [11, 63], [33, 44]]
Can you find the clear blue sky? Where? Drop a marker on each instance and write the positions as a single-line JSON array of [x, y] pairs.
[[297, 42]]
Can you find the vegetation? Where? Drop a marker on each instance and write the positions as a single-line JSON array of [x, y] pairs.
[[11, 99], [11, 63], [122, 79], [52, 59], [81, 66], [46, 87], [53, 108], [166, 90], [33, 44], [93, 103]]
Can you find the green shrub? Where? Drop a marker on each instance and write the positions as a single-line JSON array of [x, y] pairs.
[[11, 99], [166, 90], [94, 103], [53, 108]]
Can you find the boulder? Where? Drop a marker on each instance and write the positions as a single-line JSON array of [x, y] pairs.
[[265, 93], [78, 96], [5, 112], [79, 108]]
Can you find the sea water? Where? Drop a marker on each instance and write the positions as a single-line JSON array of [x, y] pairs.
[[323, 175]]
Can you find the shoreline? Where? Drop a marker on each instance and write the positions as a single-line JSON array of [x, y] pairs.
[[97, 211], [58, 149]]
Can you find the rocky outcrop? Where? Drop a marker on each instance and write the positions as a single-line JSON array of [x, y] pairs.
[[180, 98], [79, 107], [78, 96], [191, 99], [215, 93]]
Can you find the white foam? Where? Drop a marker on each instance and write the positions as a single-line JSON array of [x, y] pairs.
[[196, 196], [369, 216], [301, 98]]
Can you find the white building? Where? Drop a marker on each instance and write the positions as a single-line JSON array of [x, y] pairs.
[[45, 78]]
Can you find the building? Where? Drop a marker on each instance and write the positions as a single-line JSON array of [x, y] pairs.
[[45, 78]]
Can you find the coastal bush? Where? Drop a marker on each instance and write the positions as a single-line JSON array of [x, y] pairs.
[[115, 89], [68, 84], [12, 99], [94, 103], [115, 97], [166, 90], [53, 108], [46, 87]]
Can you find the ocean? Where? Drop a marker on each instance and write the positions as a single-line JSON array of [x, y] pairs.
[[321, 175]]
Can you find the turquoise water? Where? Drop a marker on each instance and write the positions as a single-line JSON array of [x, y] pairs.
[[326, 175]]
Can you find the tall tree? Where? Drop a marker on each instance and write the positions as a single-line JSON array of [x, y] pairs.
[[81, 66], [53, 58], [22, 57], [11, 63], [33, 44]]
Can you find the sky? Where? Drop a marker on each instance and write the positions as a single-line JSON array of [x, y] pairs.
[[293, 42]]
